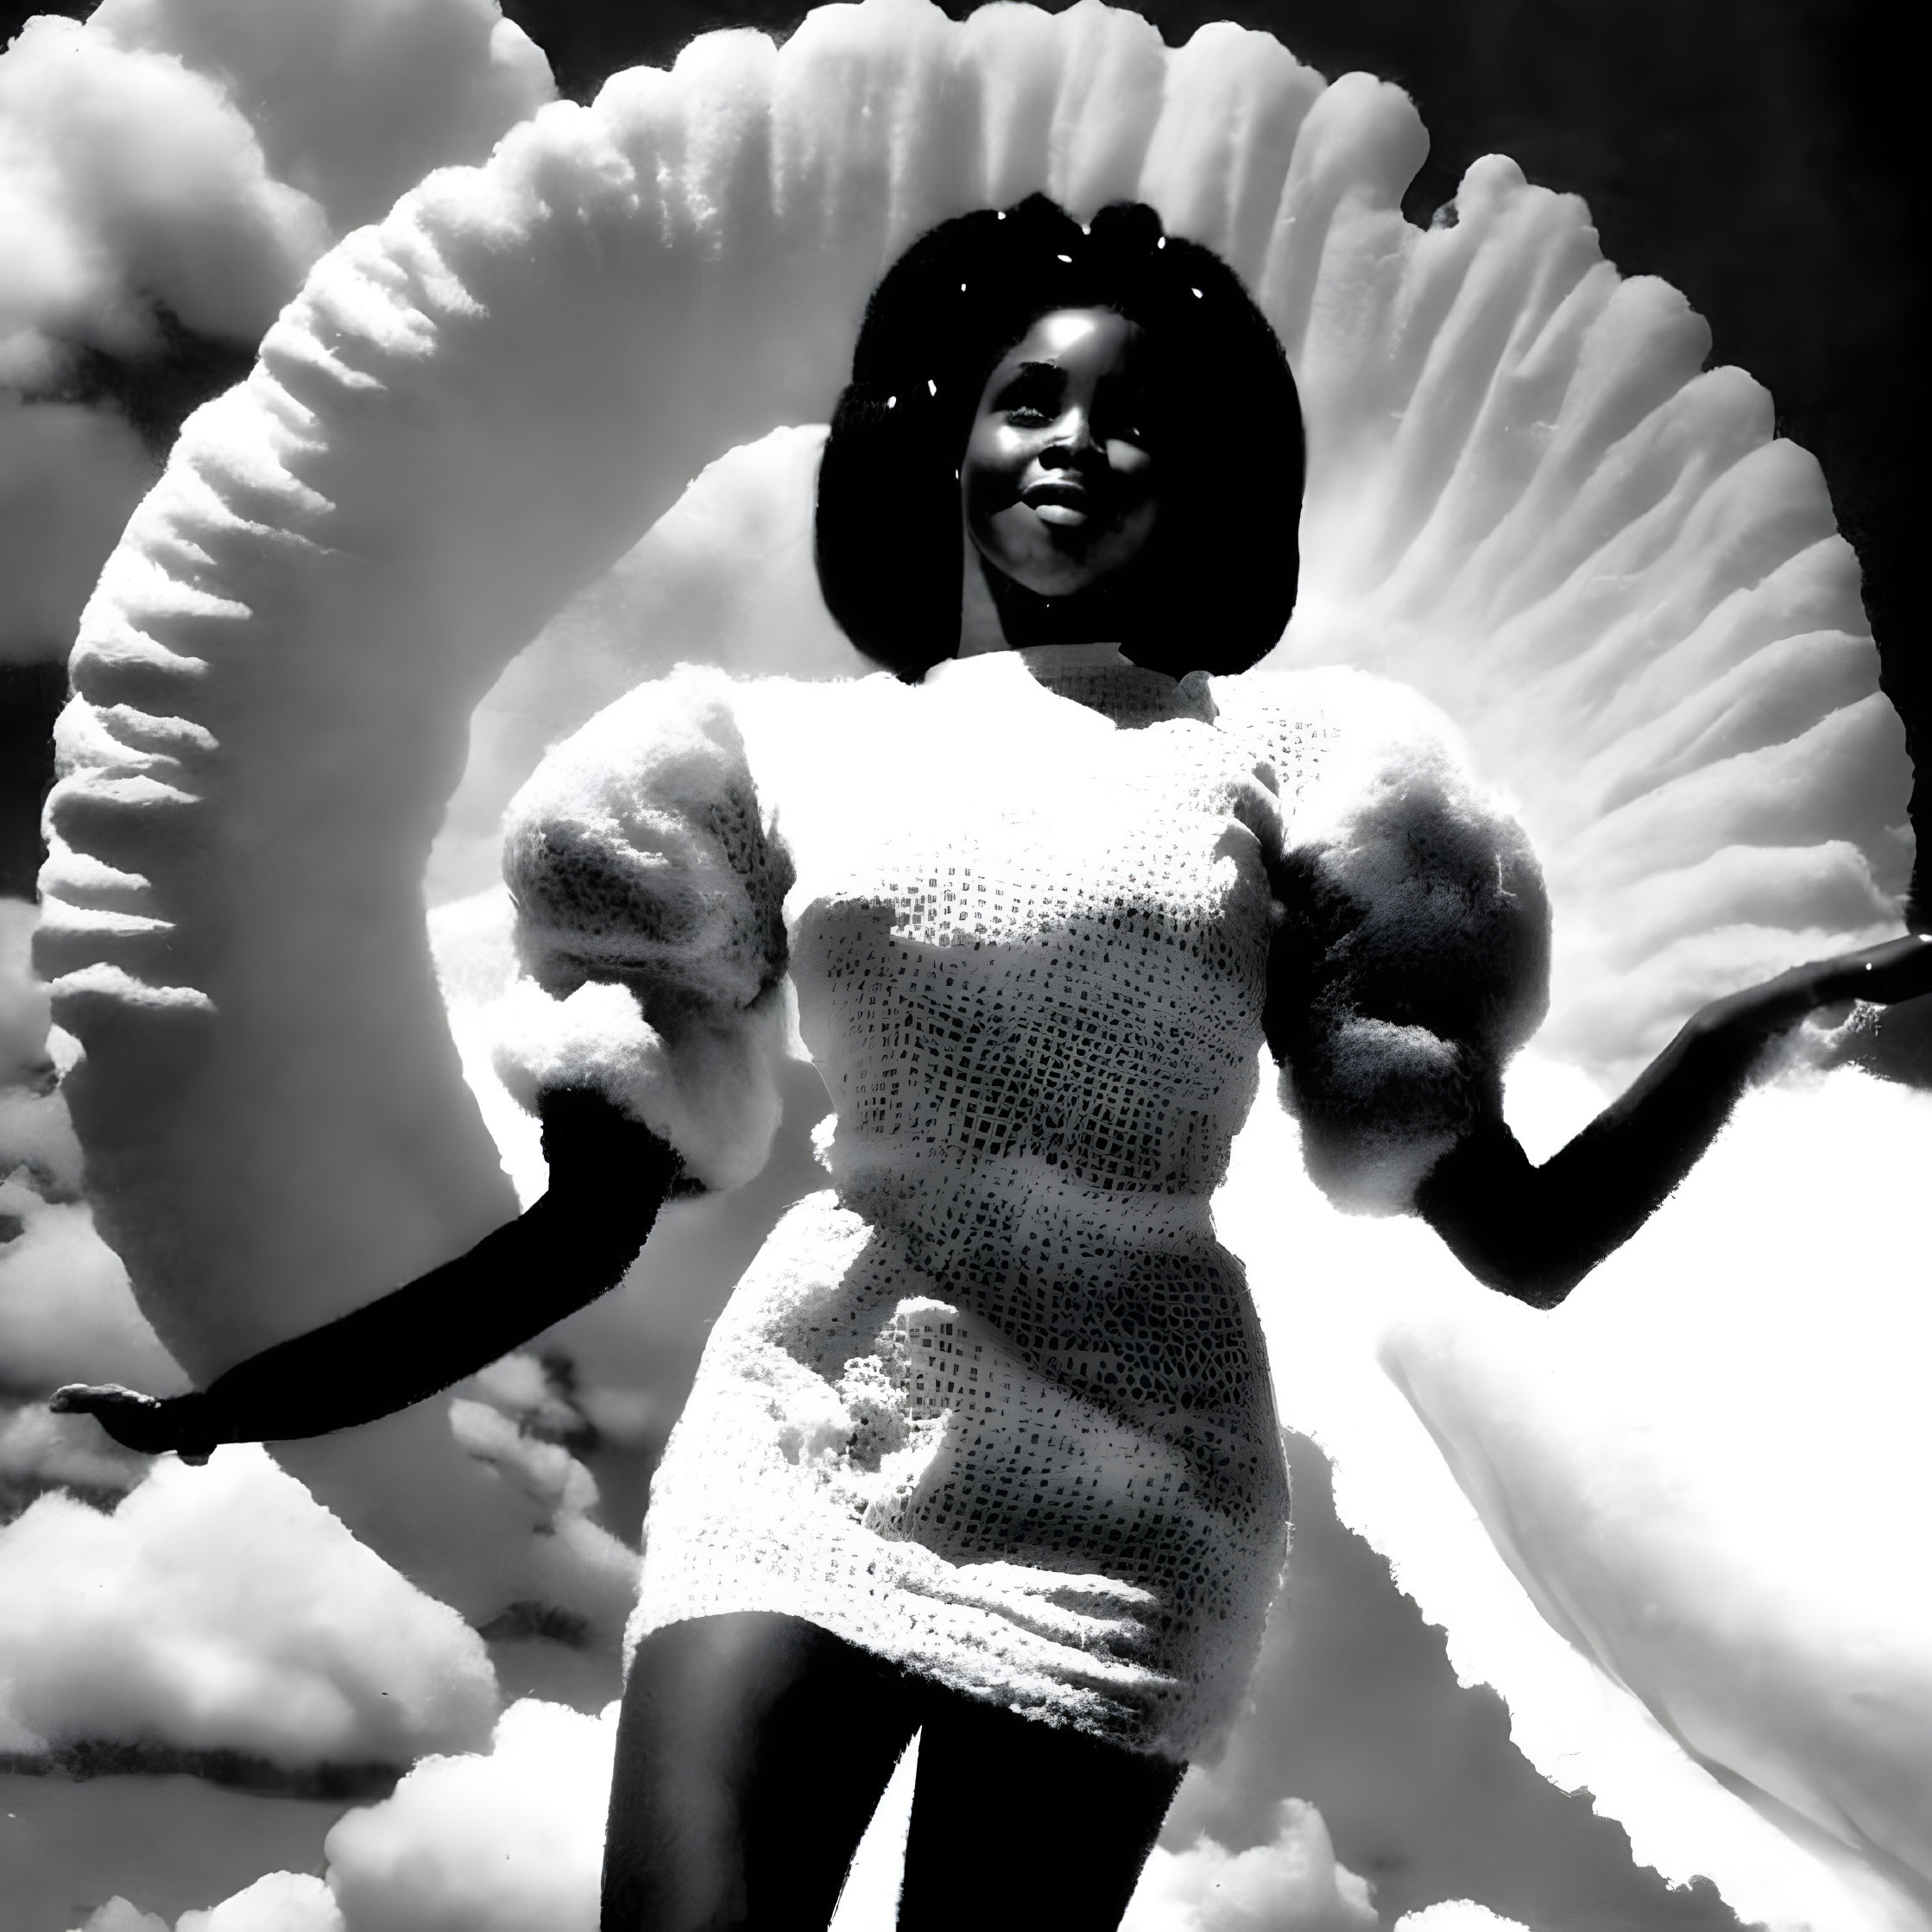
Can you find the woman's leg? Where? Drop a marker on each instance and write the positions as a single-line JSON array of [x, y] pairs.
[[1020, 1825], [751, 1753]]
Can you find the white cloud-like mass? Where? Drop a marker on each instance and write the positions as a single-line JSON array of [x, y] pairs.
[[220, 1609], [1641, 1462], [352, 100], [66, 1310], [199, 155], [509, 1841], [66, 1313], [127, 179], [481, 395], [122, 1914], [1291, 1884], [1457, 1915], [280, 1901], [1702, 1467]]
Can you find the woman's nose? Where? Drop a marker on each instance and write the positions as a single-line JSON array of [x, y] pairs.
[[1073, 436]]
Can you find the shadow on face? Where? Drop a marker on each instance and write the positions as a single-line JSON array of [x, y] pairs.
[[1060, 483]]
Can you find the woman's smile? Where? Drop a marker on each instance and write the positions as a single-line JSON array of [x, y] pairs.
[[1060, 500], [1059, 482]]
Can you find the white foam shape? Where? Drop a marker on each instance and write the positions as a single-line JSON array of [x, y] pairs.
[[1524, 498], [1802, 1679], [1457, 1915], [126, 179], [353, 100], [221, 1609], [509, 1841], [278, 1902], [118, 1915], [1291, 1884], [200, 154], [1693, 1467]]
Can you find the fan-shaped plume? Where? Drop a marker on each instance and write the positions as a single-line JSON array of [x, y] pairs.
[[1524, 498]]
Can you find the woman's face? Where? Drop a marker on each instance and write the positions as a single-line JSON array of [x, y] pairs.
[[1059, 482]]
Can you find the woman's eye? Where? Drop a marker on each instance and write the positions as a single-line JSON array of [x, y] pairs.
[[1028, 414]]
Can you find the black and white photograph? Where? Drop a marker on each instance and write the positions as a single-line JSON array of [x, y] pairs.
[[962, 966]]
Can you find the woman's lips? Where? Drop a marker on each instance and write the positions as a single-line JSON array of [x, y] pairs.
[[1063, 503]]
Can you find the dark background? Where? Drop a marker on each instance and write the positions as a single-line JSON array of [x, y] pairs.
[[1752, 152]]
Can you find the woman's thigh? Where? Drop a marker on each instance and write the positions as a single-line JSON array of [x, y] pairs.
[[1019, 1824], [751, 1752]]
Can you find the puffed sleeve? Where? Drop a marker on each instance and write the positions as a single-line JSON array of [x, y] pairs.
[[1413, 955], [649, 894]]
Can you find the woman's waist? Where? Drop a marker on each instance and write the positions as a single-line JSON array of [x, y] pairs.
[[1128, 1294], [1137, 1306], [1158, 1191]]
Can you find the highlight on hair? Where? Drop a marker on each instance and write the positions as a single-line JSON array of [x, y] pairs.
[[1217, 585]]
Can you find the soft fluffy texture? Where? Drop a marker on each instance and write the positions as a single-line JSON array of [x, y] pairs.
[[1033, 906], [66, 1310], [125, 181], [1291, 1884], [723, 577], [1704, 1465], [509, 1841], [197, 157], [650, 928], [1529, 486], [352, 100], [1456, 1914], [1417, 933], [220, 1609], [473, 409], [1809, 1682], [280, 1902]]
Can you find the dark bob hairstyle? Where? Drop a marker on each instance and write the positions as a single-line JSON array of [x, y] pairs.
[[1215, 589]]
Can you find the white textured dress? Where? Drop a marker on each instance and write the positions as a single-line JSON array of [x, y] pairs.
[[995, 1404]]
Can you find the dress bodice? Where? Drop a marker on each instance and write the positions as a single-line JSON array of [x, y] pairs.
[[997, 1404]]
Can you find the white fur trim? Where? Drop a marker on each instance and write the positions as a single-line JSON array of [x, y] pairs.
[[708, 1090]]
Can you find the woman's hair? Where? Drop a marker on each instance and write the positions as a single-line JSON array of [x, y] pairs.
[[1217, 583]]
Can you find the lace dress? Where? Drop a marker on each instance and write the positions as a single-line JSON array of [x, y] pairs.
[[995, 1404]]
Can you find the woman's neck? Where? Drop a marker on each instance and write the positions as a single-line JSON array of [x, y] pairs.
[[996, 615]]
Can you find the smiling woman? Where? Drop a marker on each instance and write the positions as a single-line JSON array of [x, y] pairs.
[[1061, 482], [984, 1441], [984, 1446], [1151, 386]]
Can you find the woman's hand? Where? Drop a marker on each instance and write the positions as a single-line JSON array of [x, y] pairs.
[[1535, 1231], [150, 1424], [1885, 975], [609, 1176]]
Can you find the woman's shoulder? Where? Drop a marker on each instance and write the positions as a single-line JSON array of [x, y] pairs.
[[696, 726], [1335, 733]]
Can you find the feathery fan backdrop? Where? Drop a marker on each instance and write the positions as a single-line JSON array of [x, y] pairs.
[[423, 539]]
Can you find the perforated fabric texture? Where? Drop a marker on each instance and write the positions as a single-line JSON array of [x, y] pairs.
[[1414, 957], [995, 1404], [649, 927]]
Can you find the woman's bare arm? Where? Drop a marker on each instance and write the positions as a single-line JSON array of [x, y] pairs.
[[608, 1177], [1535, 1231]]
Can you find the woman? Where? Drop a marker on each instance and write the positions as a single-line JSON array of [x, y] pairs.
[[983, 1446]]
